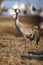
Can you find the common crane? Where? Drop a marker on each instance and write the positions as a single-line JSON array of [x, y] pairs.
[[27, 31]]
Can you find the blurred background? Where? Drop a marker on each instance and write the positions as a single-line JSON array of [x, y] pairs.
[[21, 4]]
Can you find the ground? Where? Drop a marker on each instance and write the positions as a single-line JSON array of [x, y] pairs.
[[12, 47]]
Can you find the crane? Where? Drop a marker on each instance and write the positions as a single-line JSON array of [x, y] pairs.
[[27, 31]]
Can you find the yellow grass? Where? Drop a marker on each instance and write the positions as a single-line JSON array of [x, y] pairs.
[[12, 47]]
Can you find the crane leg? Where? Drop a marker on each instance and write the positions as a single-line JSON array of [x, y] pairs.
[[37, 39], [25, 42]]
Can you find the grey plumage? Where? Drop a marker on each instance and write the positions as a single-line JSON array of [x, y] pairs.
[[27, 31]]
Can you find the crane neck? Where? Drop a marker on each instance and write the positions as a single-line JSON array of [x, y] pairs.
[[16, 16], [16, 19]]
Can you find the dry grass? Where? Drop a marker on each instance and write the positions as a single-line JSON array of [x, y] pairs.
[[12, 48]]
